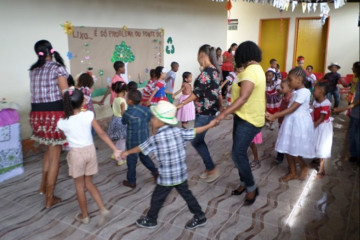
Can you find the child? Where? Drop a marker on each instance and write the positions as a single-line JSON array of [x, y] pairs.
[[117, 130], [274, 65], [119, 67], [286, 91], [273, 96], [296, 135], [186, 113], [168, 145], [310, 70], [170, 81], [82, 156], [332, 78], [323, 126], [85, 83], [70, 81], [159, 92], [132, 86], [137, 118], [232, 77], [150, 86], [257, 140]]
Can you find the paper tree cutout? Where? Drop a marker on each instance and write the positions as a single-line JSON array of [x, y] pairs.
[[123, 53]]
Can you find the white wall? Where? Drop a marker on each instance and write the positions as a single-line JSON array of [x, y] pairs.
[[343, 40], [190, 23]]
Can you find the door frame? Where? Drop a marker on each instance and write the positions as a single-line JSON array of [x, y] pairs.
[[287, 37], [296, 37]]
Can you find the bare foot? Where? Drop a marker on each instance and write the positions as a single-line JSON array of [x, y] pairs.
[[289, 177]]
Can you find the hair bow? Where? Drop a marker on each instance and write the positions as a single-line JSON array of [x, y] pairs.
[[40, 53], [70, 90], [52, 51]]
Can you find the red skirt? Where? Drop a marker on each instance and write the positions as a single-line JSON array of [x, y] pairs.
[[44, 126]]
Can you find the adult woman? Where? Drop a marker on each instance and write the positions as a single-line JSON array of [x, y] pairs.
[[248, 105], [47, 81], [207, 98], [228, 65]]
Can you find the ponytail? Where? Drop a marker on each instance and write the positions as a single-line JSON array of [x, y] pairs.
[[68, 109], [210, 51], [43, 49], [73, 99], [59, 59]]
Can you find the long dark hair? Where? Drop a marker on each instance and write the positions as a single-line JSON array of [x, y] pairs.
[[232, 45], [210, 51], [73, 99], [43, 49]]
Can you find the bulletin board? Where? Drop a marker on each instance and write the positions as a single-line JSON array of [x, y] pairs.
[[98, 48]]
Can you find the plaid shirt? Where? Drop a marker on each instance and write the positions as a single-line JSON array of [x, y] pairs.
[[137, 119], [168, 145], [44, 84]]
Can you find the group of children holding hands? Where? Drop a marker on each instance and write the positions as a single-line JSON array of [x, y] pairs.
[[288, 100]]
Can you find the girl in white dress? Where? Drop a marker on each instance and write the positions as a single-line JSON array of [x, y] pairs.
[[323, 126], [296, 135]]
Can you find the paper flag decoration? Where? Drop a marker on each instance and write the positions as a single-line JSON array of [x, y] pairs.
[[68, 28], [70, 55]]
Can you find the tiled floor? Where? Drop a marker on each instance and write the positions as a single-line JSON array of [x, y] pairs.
[[325, 208]]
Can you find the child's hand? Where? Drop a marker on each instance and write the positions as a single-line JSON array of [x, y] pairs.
[[269, 116], [117, 154], [124, 155], [148, 103], [180, 105], [213, 123], [173, 96]]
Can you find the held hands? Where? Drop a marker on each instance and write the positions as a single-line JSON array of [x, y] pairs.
[[180, 105], [117, 154], [124, 154], [220, 117], [270, 117]]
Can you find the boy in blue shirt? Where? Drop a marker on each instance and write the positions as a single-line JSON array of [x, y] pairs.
[[137, 118], [168, 145]]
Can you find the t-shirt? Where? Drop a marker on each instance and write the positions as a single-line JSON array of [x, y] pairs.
[[117, 106], [332, 79], [228, 65], [253, 111], [77, 129], [116, 78], [170, 80]]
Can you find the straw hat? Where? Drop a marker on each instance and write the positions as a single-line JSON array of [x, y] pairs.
[[165, 112], [334, 64]]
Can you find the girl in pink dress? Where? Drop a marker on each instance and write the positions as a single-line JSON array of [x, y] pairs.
[[186, 113]]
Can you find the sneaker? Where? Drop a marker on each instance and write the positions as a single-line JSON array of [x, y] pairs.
[[204, 174], [212, 177], [145, 222], [195, 222], [85, 220], [104, 214]]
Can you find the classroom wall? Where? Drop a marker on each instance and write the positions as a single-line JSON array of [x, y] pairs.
[[343, 40], [190, 23]]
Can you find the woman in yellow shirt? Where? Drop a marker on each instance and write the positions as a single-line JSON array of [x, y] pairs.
[[248, 106]]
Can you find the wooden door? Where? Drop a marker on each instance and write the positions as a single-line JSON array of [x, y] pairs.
[[311, 42], [273, 41]]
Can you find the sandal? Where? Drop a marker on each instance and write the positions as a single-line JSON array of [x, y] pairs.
[[85, 220], [320, 174]]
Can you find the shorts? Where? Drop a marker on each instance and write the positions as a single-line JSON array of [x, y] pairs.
[[82, 161]]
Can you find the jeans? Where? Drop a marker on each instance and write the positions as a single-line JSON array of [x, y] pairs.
[[199, 143], [161, 192], [354, 137], [131, 162], [336, 95], [243, 134]]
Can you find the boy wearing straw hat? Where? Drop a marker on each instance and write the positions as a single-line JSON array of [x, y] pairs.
[[332, 78], [168, 145]]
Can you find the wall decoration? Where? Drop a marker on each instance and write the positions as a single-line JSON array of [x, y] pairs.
[[100, 47], [170, 48], [68, 27]]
